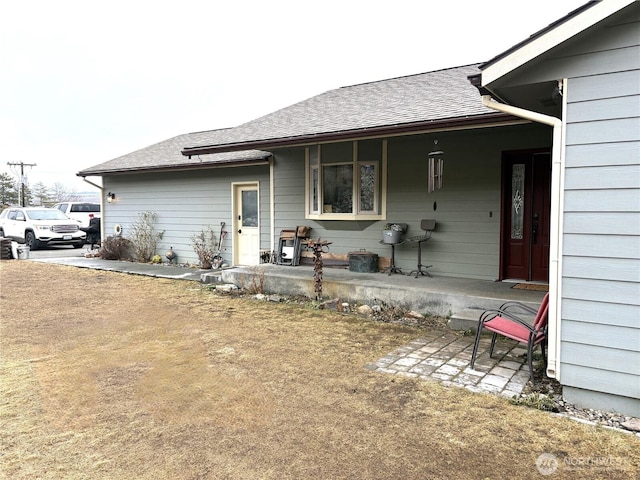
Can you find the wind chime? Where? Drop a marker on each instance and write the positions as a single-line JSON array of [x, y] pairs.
[[434, 166], [434, 172]]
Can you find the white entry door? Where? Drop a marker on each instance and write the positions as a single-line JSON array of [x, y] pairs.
[[246, 225]]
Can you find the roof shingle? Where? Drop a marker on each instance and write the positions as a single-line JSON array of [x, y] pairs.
[[166, 155], [435, 97], [432, 96]]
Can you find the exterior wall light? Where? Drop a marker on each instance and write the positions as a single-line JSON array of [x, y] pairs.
[[111, 197]]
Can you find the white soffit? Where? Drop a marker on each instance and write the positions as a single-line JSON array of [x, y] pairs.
[[552, 38]]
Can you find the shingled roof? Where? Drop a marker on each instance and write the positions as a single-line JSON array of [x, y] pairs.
[[166, 156], [416, 102]]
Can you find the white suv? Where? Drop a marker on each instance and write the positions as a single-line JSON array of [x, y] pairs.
[[80, 211], [40, 226]]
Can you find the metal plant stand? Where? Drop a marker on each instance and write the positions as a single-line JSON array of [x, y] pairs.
[[392, 268]]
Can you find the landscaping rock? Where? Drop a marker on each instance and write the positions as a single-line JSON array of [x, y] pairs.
[[226, 288], [329, 304], [364, 310], [632, 424]]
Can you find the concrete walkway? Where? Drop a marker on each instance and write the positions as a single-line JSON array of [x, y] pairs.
[[175, 272]]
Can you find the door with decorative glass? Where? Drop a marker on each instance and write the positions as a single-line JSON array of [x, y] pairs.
[[526, 213], [246, 224]]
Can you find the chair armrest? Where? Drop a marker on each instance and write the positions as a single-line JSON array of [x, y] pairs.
[[507, 305], [490, 314]]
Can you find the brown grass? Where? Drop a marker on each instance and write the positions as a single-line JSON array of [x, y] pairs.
[[111, 376]]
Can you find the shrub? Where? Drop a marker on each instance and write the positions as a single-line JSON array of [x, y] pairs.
[[115, 248], [205, 245], [257, 280], [145, 237]]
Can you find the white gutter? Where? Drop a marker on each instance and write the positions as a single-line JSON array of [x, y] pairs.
[[557, 202], [272, 207], [101, 188]]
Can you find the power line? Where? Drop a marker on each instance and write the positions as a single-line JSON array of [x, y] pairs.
[[21, 165]]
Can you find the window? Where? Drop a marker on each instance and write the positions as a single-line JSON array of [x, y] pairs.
[[346, 181], [368, 187], [315, 190], [337, 188]]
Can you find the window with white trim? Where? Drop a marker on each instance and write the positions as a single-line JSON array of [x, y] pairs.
[[346, 181]]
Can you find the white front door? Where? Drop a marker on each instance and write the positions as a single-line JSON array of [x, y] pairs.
[[246, 225]]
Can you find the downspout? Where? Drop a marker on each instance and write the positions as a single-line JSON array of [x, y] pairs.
[[101, 188], [272, 207], [557, 202]]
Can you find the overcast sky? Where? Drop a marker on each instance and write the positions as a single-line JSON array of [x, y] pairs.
[[85, 81]]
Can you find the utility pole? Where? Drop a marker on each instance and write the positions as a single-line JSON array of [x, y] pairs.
[[21, 165]]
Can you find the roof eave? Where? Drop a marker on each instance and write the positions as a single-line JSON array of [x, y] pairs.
[[175, 168], [353, 134], [549, 37]]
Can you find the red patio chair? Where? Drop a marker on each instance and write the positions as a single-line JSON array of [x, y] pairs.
[[504, 322]]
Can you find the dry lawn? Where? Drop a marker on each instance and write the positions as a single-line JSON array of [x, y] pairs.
[[112, 376]]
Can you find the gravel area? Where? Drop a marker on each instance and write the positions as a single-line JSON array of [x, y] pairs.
[[546, 394]]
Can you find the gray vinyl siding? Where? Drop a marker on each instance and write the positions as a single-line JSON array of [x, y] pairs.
[[186, 203], [600, 330], [288, 190], [466, 242]]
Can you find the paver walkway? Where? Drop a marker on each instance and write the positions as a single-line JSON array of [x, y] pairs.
[[445, 357]]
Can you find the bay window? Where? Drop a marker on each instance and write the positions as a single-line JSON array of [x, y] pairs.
[[346, 181]]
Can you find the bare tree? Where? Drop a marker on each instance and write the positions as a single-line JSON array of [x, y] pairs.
[[42, 195], [60, 193]]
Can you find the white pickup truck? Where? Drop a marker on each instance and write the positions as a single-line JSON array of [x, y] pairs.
[[80, 211]]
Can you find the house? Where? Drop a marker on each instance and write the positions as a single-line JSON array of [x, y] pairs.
[[539, 181], [592, 59], [376, 135], [187, 194]]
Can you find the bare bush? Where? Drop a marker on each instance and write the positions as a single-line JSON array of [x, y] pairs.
[[205, 246], [145, 237], [115, 248], [257, 280]]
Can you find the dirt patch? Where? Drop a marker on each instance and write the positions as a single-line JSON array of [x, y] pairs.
[[107, 375]]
